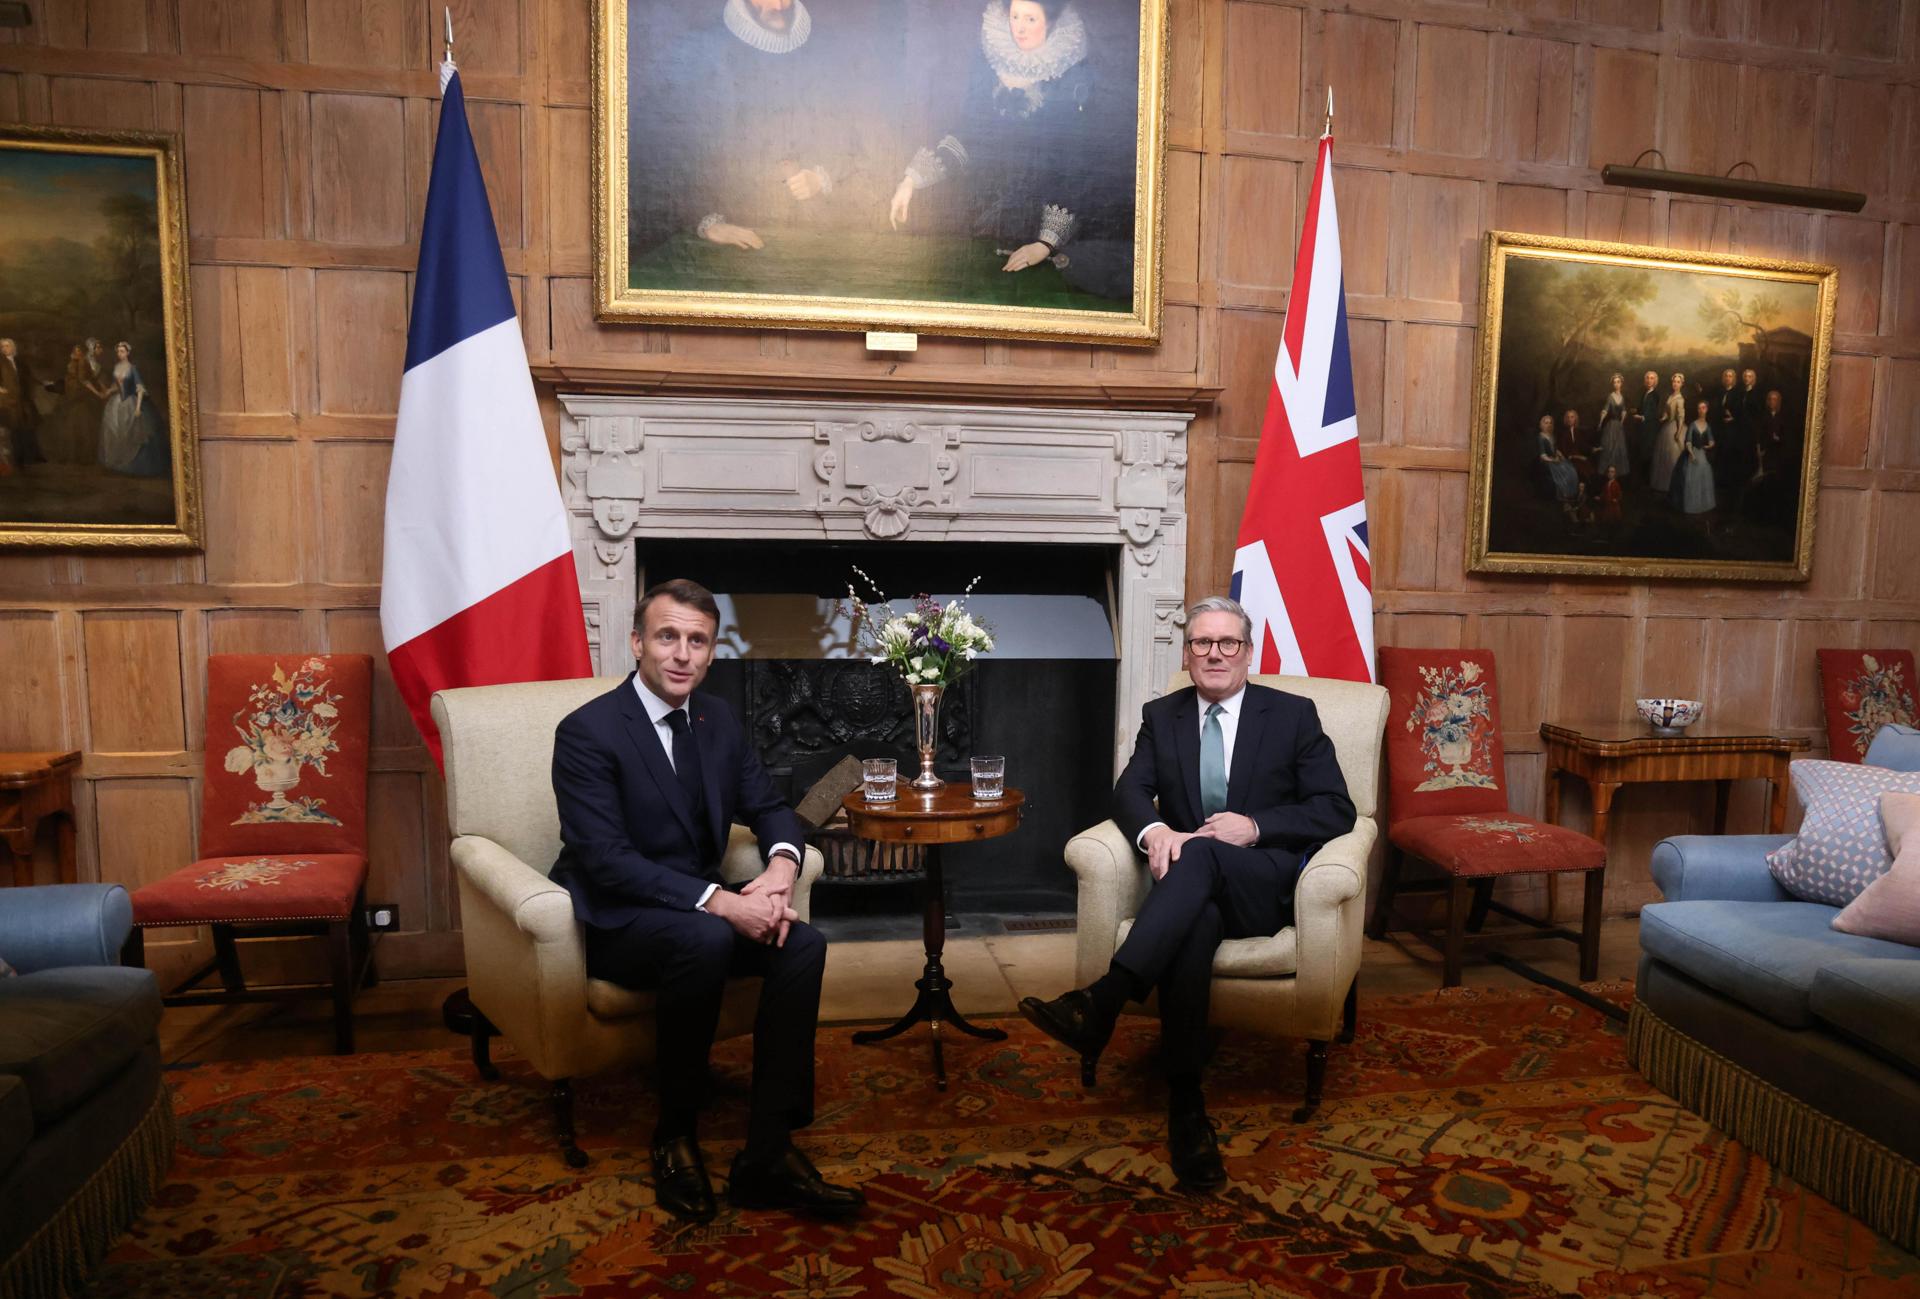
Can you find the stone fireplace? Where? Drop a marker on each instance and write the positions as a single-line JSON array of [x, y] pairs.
[[684, 469]]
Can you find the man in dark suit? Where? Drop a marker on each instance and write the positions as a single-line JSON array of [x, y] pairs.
[[19, 415], [648, 778], [1248, 787]]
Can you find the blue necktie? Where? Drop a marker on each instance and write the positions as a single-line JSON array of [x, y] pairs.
[[1213, 764]]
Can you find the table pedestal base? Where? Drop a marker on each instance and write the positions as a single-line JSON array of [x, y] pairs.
[[934, 1005]]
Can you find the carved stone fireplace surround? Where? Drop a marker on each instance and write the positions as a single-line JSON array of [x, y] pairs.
[[689, 468]]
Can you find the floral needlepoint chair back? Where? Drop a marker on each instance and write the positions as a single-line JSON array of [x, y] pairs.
[[1444, 754], [286, 754], [1864, 690]]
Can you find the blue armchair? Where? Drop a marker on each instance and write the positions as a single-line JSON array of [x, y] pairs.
[[1799, 1041], [86, 1127]]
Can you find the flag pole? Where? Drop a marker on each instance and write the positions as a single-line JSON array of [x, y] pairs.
[[447, 55], [1324, 135]]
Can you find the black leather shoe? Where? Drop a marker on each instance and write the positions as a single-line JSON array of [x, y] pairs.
[[680, 1180], [1074, 1021], [790, 1182], [1195, 1154]]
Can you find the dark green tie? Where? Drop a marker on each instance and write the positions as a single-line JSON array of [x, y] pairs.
[[1213, 764]]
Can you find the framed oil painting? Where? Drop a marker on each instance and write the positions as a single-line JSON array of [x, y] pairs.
[[1643, 412], [98, 444], [983, 167]]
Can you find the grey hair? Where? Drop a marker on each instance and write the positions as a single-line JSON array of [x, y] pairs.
[[1222, 604]]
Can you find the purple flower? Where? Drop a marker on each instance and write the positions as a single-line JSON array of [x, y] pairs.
[[942, 645]]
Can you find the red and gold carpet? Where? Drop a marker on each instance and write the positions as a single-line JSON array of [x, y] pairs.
[[1491, 1144]]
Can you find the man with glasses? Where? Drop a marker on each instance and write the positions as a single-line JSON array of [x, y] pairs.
[[1247, 787]]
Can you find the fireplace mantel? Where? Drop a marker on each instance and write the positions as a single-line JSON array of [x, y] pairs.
[[687, 467]]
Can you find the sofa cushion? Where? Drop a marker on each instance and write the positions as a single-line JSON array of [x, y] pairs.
[[1896, 747], [1889, 907], [16, 1120], [305, 886], [1874, 1002], [65, 1032], [1840, 849], [1764, 954]]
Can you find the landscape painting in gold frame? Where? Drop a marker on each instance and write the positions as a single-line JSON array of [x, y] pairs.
[[98, 444], [1646, 412], [972, 167]]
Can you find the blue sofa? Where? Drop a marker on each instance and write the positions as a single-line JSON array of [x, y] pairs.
[[86, 1125], [1801, 1042]]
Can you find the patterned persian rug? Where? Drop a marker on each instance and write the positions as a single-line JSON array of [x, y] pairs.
[[1472, 1144]]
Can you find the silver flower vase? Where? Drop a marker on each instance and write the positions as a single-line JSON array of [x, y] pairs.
[[926, 733]]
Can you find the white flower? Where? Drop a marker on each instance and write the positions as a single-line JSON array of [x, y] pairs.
[[919, 662], [967, 653], [239, 759]]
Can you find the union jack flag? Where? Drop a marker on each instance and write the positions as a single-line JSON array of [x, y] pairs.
[[1301, 565]]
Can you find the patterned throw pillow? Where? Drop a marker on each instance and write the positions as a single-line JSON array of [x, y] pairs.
[[1840, 849]]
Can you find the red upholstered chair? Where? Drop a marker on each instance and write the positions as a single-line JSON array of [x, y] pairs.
[[1447, 806], [283, 826], [1863, 690]]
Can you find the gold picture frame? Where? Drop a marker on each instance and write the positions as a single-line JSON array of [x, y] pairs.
[[1726, 491], [943, 281], [97, 414]]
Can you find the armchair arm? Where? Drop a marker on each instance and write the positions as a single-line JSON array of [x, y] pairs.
[[1718, 867], [1113, 882], [742, 861], [1329, 906], [536, 906], [51, 925]]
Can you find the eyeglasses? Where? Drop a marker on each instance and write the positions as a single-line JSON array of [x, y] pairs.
[[1229, 646]]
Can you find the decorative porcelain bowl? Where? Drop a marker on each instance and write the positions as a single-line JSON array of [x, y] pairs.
[[1670, 716]]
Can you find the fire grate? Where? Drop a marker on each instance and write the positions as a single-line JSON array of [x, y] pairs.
[[853, 860]]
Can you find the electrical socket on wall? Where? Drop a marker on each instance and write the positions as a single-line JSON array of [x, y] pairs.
[[383, 917]]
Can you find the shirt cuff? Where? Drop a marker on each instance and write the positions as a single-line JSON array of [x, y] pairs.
[[787, 848], [701, 905], [1140, 840]]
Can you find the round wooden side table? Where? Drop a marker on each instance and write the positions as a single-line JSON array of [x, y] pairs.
[[946, 815]]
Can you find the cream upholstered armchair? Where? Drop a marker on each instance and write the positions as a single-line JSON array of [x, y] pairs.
[[1300, 982], [526, 960]]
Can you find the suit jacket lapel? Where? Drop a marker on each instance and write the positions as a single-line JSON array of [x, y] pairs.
[[1186, 738], [645, 742], [1246, 747]]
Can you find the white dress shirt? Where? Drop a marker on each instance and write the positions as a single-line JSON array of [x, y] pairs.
[[657, 710], [1229, 720]]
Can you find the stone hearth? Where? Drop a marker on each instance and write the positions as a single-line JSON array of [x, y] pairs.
[[646, 467]]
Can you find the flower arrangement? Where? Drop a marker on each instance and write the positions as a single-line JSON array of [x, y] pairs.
[[932, 645], [1879, 695], [284, 724], [1453, 719]]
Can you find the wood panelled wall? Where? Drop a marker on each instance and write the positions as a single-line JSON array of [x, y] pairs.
[[307, 128]]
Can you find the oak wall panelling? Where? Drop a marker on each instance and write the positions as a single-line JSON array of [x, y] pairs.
[[307, 131]]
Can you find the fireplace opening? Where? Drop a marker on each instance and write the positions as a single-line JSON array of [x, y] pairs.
[[788, 664]]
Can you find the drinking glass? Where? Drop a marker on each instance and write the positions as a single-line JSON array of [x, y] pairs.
[[989, 776], [877, 778]]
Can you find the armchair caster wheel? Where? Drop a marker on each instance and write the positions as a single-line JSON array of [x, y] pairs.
[[575, 1156], [1306, 1112]]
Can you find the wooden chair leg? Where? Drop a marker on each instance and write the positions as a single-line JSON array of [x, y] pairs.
[[563, 1120], [1383, 905], [480, 1035], [1482, 900], [1457, 889], [363, 945], [133, 952], [340, 946], [1316, 1080], [1590, 925], [226, 956], [1350, 1012]]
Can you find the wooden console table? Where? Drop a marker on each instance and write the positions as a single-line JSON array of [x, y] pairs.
[[33, 787], [1608, 755], [949, 814]]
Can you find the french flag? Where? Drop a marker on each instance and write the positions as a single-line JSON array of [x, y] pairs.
[[477, 582]]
